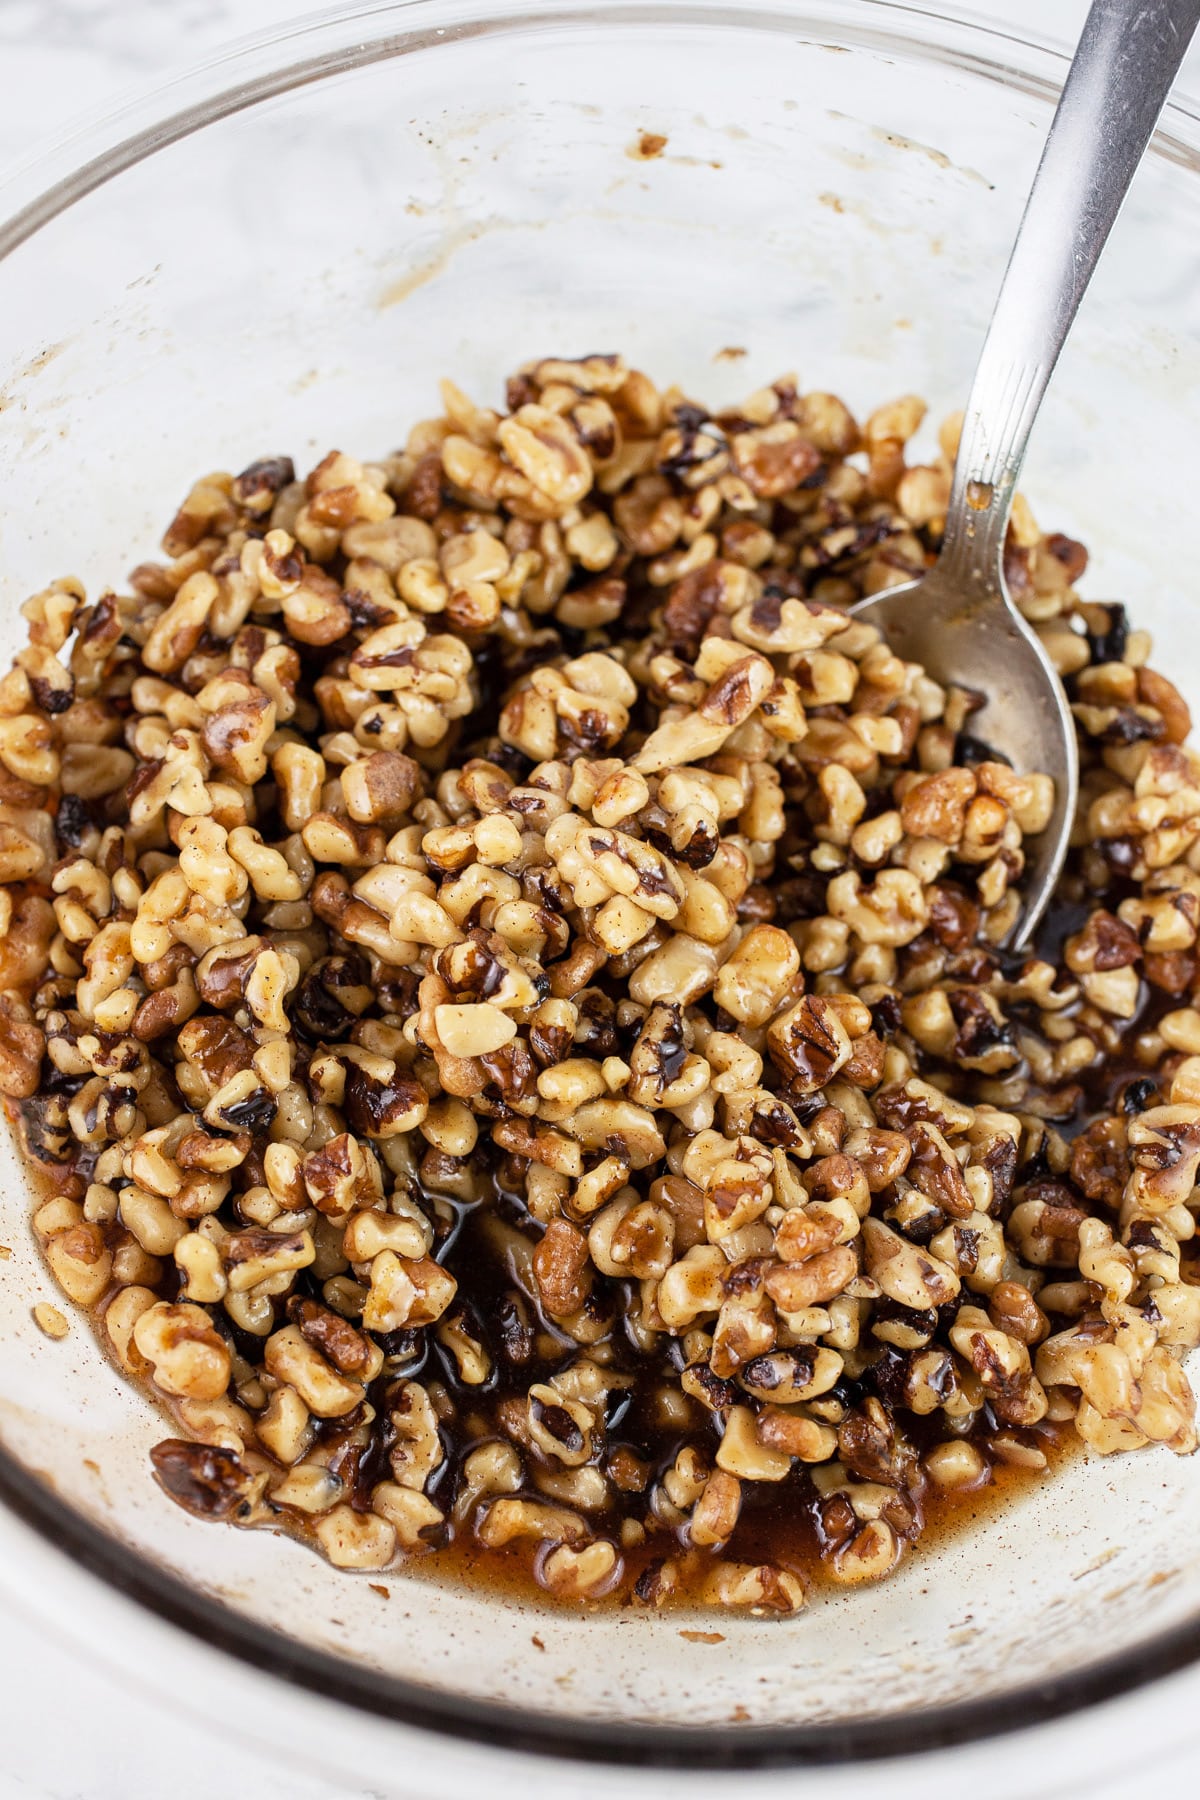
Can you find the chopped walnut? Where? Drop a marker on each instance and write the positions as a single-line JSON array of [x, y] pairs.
[[504, 983]]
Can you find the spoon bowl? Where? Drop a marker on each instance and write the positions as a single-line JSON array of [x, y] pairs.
[[975, 638]]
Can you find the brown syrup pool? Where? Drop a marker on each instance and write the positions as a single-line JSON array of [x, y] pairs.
[[781, 1524], [783, 1533]]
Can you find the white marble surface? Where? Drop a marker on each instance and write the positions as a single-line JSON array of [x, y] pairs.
[[70, 1728], [61, 58]]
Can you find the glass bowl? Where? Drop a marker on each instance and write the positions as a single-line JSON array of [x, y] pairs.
[[282, 252]]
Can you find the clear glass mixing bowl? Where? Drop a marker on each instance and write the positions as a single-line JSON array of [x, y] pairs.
[[282, 252]]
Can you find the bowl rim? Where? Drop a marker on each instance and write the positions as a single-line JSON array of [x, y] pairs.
[[243, 74]]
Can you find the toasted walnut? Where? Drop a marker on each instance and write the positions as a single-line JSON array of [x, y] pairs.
[[186, 1355], [290, 1357], [21, 1045], [906, 1273], [207, 1481], [561, 1269]]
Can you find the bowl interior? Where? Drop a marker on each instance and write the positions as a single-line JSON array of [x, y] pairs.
[[836, 196]]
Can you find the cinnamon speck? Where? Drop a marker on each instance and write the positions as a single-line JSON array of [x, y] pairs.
[[649, 145]]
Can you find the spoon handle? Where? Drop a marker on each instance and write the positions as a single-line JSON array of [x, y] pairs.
[[1128, 56]]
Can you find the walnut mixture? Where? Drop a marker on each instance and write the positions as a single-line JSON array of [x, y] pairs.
[[505, 986]]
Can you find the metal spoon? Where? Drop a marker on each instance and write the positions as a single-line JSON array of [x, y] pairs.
[[959, 620]]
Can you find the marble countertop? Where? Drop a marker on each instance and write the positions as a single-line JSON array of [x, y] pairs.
[[60, 59], [63, 58], [71, 1730]]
